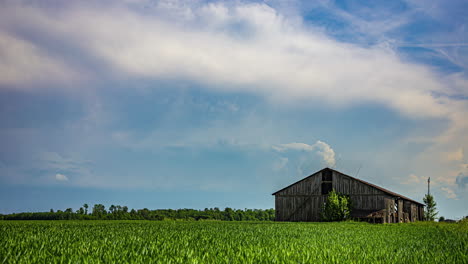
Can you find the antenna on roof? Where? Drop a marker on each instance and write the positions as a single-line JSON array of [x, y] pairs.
[[360, 165]]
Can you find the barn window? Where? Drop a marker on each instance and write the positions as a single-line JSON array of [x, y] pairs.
[[327, 175], [327, 185]]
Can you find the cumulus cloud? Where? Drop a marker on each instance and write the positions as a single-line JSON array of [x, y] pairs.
[[61, 177], [327, 153], [414, 179], [321, 148], [293, 146], [449, 193], [462, 180]]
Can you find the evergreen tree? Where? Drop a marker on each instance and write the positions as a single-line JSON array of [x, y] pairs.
[[430, 212]]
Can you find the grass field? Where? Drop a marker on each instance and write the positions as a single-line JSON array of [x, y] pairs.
[[230, 242]]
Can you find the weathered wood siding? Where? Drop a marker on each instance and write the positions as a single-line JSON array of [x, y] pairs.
[[363, 196], [298, 208], [421, 212], [303, 200], [307, 186], [413, 212]]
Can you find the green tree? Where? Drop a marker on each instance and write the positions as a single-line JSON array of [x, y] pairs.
[[86, 208], [80, 211], [336, 208], [99, 210], [228, 214], [112, 208], [430, 212]]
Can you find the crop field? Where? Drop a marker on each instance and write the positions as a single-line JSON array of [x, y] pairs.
[[230, 242]]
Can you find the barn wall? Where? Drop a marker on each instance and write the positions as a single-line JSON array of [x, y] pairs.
[[363, 196], [414, 212], [303, 201], [299, 208]]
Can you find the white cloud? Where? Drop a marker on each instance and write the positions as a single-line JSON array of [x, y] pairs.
[[236, 47], [293, 146], [246, 47], [280, 163], [454, 156], [321, 148], [61, 177], [23, 63], [415, 180], [449, 193], [327, 153]]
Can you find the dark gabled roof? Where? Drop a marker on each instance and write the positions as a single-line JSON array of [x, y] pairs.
[[367, 183]]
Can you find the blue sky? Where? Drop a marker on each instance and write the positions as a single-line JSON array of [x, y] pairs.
[[194, 104]]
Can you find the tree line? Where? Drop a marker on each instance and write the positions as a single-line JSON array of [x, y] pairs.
[[117, 212]]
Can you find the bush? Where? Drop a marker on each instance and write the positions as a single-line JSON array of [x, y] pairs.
[[336, 208]]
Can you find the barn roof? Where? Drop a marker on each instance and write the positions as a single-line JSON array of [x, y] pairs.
[[370, 184]]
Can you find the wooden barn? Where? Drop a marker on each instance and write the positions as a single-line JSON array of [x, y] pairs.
[[302, 201]]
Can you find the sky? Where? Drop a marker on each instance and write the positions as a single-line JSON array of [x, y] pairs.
[[202, 104]]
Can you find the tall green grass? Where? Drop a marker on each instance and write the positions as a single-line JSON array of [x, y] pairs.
[[230, 242]]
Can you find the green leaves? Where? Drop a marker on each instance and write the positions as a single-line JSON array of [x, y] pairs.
[[230, 242], [336, 208], [430, 212]]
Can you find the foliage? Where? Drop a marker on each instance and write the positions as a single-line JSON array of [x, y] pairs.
[[430, 212], [441, 219], [336, 208], [229, 242], [117, 212]]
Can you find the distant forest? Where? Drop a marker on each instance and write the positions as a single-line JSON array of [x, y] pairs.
[[117, 212]]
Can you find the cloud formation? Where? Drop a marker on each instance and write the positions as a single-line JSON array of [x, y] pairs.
[[24, 63], [61, 177], [246, 47], [415, 180], [462, 180], [237, 47], [449, 193], [321, 148]]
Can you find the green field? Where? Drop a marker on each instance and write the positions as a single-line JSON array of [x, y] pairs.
[[230, 242]]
